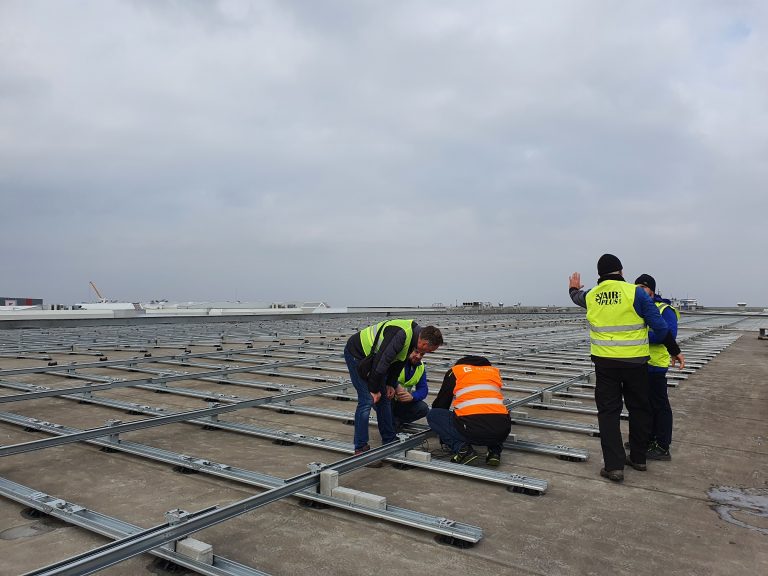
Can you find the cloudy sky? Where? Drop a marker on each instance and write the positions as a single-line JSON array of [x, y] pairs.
[[390, 153]]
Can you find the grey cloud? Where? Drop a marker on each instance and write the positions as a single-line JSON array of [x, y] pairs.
[[274, 147]]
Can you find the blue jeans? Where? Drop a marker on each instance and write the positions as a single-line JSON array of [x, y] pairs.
[[441, 421], [383, 408], [407, 412]]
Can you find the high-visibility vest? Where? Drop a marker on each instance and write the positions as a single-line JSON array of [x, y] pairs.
[[615, 329], [477, 390], [413, 380], [659, 352], [368, 335]]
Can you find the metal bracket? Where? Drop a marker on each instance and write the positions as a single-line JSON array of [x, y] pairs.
[[176, 516], [114, 437]]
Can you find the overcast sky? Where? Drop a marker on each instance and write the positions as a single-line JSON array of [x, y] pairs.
[[381, 153]]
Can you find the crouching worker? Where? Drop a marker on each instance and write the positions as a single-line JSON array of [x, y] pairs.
[[473, 389], [408, 402]]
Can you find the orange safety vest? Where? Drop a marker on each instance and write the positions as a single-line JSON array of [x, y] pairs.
[[477, 391]]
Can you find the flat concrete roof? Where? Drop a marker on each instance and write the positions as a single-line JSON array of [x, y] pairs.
[[663, 521]]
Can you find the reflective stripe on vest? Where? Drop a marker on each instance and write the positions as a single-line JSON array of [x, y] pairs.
[[615, 329], [414, 379], [367, 336], [477, 390], [659, 352]]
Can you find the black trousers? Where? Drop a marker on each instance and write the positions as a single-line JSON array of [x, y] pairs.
[[662, 411], [614, 387]]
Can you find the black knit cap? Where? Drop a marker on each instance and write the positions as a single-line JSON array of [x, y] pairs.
[[646, 280], [608, 263]]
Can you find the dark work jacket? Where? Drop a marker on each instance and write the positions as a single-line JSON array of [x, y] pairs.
[[482, 429], [385, 368]]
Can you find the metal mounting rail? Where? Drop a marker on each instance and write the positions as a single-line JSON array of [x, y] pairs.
[[159, 421], [577, 427], [537, 447], [121, 383], [529, 446], [394, 514], [146, 540], [114, 528], [109, 363], [511, 480]]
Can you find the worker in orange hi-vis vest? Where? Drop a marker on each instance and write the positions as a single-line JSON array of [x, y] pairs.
[[469, 409]]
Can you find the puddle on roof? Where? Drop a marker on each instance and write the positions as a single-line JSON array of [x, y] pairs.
[[745, 507]]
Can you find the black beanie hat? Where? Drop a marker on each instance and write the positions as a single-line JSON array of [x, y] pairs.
[[647, 280], [608, 263]]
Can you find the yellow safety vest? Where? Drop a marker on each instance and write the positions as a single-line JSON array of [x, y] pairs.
[[659, 352], [615, 329], [368, 335], [414, 379]]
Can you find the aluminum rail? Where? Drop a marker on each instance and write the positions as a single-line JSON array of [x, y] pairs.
[[114, 528], [516, 482], [146, 540], [108, 363], [159, 421], [147, 381], [437, 525]]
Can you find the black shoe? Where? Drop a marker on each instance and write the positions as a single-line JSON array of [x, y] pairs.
[[612, 475], [656, 452], [493, 458], [639, 467], [465, 455]]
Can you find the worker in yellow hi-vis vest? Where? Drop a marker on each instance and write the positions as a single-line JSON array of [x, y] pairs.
[[619, 315], [375, 356], [661, 429]]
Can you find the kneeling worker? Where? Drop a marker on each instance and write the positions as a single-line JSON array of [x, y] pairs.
[[408, 402], [473, 389]]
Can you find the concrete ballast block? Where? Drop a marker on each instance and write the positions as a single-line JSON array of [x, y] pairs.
[[371, 500], [346, 494], [419, 455], [195, 549], [329, 479]]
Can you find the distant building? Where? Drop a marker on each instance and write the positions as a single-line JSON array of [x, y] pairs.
[[20, 301], [685, 303], [476, 305]]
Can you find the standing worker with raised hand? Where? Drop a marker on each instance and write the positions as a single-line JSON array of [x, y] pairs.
[[661, 429], [375, 356], [619, 315]]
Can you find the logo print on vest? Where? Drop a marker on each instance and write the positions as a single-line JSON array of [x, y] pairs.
[[608, 298]]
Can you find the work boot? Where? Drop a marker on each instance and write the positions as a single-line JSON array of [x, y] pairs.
[[612, 475], [635, 465], [465, 455], [492, 458], [656, 452]]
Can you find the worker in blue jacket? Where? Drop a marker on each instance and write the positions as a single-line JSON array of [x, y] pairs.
[[661, 431], [408, 402]]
